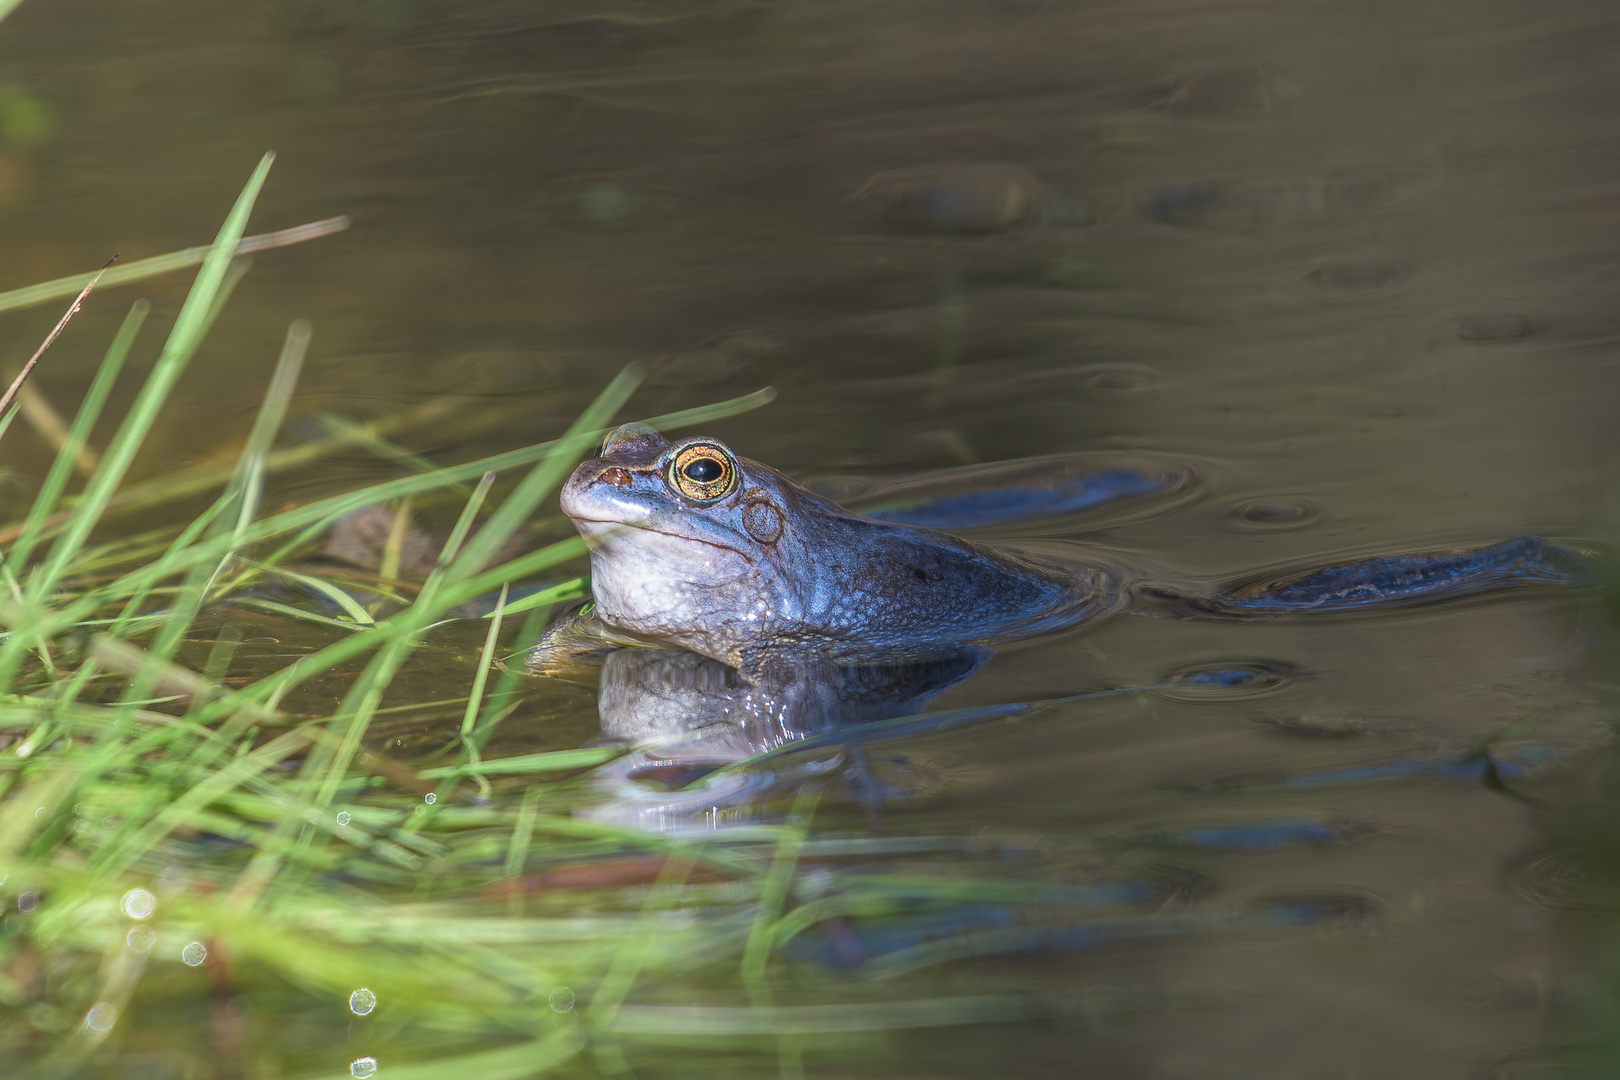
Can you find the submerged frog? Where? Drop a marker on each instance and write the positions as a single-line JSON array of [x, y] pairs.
[[694, 546]]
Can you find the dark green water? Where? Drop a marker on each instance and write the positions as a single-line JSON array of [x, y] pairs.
[[1359, 260]]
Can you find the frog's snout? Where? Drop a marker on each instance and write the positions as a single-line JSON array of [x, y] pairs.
[[598, 491]]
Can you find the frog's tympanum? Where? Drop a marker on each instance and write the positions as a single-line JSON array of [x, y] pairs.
[[693, 545]]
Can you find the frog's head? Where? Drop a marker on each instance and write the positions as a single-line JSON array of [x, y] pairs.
[[688, 539]]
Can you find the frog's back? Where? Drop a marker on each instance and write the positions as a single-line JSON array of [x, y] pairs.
[[881, 587]]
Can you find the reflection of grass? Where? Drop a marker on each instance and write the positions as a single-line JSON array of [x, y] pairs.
[[283, 846]]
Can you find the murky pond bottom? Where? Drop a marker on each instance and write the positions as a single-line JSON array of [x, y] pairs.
[[1336, 283]]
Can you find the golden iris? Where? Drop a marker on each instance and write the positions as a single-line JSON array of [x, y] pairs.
[[703, 471]]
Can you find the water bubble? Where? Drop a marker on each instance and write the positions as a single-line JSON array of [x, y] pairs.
[[27, 902], [363, 1068], [138, 904], [362, 1001], [343, 817], [430, 798], [101, 1017], [194, 953], [562, 999], [141, 939], [81, 826]]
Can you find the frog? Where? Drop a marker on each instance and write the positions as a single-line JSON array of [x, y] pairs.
[[694, 546]]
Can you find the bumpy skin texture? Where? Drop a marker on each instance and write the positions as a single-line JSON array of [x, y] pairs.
[[771, 567]]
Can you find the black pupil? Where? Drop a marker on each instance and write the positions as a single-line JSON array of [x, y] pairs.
[[705, 470]]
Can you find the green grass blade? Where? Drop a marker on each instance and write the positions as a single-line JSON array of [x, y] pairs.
[[182, 343], [288, 610], [189, 482], [632, 955], [567, 590], [327, 510], [546, 475], [79, 435], [233, 775], [361, 435], [771, 902], [484, 661], [164, 264], [249, 478], [246, 486], [349, 604], [517, 851], [546, 761]]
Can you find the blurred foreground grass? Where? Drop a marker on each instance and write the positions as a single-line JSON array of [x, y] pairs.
[[172, 836], [209, 866]]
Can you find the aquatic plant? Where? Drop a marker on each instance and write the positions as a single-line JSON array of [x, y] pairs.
[[157, 818]]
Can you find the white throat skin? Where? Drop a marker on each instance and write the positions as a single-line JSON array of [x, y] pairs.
[[707, 598]]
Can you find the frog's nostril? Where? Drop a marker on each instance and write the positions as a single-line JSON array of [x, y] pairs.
[[619, 478]]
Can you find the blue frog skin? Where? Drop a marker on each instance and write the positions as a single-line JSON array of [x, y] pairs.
[[695, 546]]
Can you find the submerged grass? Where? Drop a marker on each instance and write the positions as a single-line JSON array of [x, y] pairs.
[[164, 809]]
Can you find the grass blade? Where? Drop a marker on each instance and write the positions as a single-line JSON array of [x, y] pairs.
[[79, 435], [182, 344], [249, 479], [164, 264], [50, 339], [484, 661], [545, 476]]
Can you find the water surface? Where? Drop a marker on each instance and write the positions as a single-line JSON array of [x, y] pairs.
[[1350, 269]]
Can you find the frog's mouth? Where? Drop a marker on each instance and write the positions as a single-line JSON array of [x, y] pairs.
[[601, 533]]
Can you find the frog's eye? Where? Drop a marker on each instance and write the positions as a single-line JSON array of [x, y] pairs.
[[704, 472]]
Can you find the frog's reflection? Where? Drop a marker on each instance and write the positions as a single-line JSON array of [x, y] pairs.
[[687, 716]]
